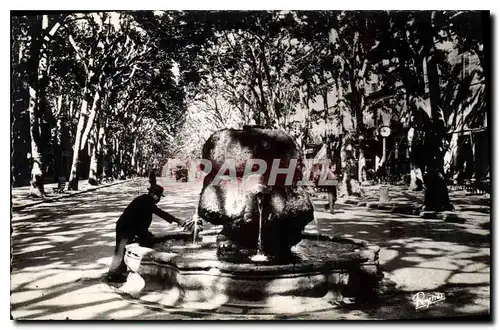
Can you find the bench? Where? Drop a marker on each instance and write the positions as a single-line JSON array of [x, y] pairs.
[[107, 179], [472, 186]]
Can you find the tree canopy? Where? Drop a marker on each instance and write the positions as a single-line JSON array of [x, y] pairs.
[[116, 93]]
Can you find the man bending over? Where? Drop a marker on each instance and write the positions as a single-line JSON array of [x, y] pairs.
[[134, 224]]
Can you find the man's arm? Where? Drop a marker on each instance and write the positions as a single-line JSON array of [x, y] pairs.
[[167, 216]]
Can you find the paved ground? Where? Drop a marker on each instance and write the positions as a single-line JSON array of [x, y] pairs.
[[20, 195], [62, 248]]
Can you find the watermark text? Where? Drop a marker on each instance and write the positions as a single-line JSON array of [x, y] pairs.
[[282, 172], [424, 300]]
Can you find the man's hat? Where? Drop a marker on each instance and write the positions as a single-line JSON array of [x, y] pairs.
[[156, 189]]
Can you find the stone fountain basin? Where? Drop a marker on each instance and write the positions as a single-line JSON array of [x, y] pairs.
[[183, 275]]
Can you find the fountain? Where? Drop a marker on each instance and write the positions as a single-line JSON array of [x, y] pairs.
[[257, 256]]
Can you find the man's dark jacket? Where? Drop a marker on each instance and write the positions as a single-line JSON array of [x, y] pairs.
[[137, 217]]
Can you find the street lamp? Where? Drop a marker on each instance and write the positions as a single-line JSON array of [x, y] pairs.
[[384, 131]]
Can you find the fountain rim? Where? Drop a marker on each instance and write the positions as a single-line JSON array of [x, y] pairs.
[[367, 255]]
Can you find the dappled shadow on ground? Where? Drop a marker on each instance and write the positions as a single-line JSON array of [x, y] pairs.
[[420, 255], [401, 193], [62, 249], [55, 244]]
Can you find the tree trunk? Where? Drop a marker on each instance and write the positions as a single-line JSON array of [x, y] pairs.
[[92, 115], [450, 156], [108, 162], [416, 178], [59, 116], [101, 139], [133, 161], [73, 178], [93, 157], [361, 160], [360, 129], [347, 161], [36, 183], [325, 118], [415, 151], [71, 111], [115, 156], [35, 65], [110, 158], [138, 169], [361, 166], [41, 49], [359, 176], [58, 136], [436, 192], [121, 164]]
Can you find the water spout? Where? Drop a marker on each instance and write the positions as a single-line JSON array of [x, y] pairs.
[[259, 257], [195, 219], [317, 229]]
